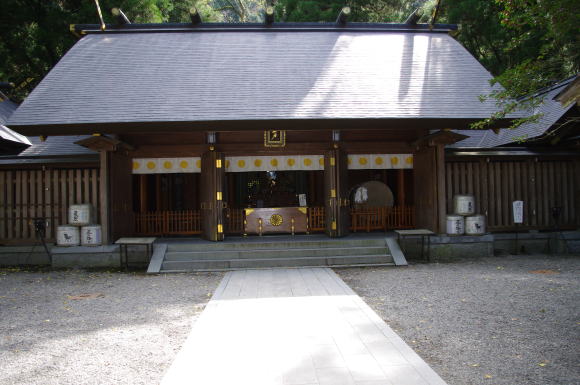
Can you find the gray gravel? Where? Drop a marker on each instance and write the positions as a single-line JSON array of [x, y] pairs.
[[489, 321], [129, 335]]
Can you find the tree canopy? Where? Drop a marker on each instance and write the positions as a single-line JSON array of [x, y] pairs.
[[525, 44]]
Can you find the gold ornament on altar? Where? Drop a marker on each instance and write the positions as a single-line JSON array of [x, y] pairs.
[[276, 220]]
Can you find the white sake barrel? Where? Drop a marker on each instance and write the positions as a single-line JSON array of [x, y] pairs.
[[464, 205], [455, 225], [475, 225], [91, 235], [80, 215], [67, 236]]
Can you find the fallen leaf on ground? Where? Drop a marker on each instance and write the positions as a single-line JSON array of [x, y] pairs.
[[86, 296], [488, 376], [544, 271]]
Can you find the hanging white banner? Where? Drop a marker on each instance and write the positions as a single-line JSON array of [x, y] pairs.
[[272, 163]]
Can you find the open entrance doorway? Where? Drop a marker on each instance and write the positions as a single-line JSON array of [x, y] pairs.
[[170, 204]]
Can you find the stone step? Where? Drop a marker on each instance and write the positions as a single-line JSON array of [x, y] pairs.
[[232, 264], [274, 253], [253, 244]]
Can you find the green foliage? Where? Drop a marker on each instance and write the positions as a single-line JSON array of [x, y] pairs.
[[309, 10], [240, 11], [525, 44], [328, 10]]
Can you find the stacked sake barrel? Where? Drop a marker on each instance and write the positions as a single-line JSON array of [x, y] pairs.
[[80, 228], [464, 220]]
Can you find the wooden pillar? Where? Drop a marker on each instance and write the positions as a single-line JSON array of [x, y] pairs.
[[337, 210], [120, 200], [115, 187], [429, 179], [401, 187], [576, 186], [311, 198], [212, 194], [441, 199], [143, 193], [158, 195], [104, 195]]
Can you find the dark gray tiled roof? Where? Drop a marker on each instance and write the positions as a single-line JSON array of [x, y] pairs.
[[223, 76], [7, 108], [56, 146], [55, 149], [551, 111]]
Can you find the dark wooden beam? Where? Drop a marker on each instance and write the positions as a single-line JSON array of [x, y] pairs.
[[250, 125], [161, 151]]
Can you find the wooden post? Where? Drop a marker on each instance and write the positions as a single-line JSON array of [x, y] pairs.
[[158, 200], [143, 197], [104, 195], [576, 186], [401, 187], [441, 206]]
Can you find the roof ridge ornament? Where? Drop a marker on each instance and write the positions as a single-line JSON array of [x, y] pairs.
[[122, 19], [269, 15], [194, 16], [103, 26], [342, 18], [414, 17]]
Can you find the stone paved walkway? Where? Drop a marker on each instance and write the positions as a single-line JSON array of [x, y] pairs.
[[293, 326]]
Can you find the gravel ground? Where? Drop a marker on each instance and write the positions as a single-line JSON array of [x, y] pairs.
[[492, 321], [127, 331]]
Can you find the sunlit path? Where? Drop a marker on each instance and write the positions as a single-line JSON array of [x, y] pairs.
[[293, 326]]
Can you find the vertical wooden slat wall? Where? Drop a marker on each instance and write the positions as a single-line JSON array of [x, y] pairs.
[[541, 184], [28, 194]]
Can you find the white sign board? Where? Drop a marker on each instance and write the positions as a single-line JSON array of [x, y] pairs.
[[302, 200], [518, 208]]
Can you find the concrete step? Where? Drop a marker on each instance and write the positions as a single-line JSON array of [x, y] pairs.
[[255, 244], [232, 264], [274, 253]]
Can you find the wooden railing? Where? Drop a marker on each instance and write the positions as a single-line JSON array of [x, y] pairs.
[[368, 219], [234, 221], [188, 222], [382, 218], [316, 219]]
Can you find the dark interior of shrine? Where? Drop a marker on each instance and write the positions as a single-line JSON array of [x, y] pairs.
[[176, 192]]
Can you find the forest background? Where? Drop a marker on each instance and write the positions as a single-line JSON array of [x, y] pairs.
[[525, 44]]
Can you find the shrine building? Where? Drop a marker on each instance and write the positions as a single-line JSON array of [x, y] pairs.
[[219, 129]]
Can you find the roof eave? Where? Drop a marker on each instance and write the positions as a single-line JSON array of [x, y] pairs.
[[248, 125]]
